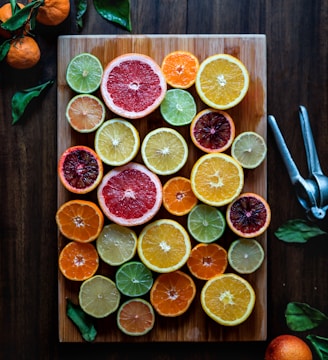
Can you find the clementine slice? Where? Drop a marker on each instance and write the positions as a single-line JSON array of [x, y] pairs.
[[178, 198], [80, 220], [78, 261], [207, 261], [172, 293]]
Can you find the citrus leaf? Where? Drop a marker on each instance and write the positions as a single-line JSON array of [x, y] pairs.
[[81, 9], [4, 48], [22, 98], [117, 11], [320, 345], [298, 231], [82, 321], [302, 317]]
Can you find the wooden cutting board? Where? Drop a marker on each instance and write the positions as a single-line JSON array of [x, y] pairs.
[[250, 114]]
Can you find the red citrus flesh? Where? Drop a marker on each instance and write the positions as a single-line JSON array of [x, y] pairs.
[[249, 215], [133, 85], [212, 130], [130, 195], [80, 169]]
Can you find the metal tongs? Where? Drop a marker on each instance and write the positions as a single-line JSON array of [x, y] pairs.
[[312, 193]]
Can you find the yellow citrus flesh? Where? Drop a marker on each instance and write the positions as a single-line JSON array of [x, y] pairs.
[[228, 299], [217, 179], [164, 246], [222, 81]]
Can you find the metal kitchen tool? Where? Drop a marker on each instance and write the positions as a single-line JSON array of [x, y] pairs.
[[312, 193]]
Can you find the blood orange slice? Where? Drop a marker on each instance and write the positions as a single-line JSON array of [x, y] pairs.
[[133, 85], [80, 169], [249, 215], [130, 195]]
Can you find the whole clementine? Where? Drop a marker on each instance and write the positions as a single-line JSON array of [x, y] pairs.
[[24, 52], [287, 347], [53, 12], [6, 14]]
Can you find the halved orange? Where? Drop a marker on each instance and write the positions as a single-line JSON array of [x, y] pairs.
[[78, 261], [212, 130], [180, 69], [249, 215], [178, 198], [172, 293], [207, 260], [80, 220]]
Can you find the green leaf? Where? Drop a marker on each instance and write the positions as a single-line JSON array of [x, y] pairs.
[[302, 317], [81, 8], [22, 98], [81, 320], [320, 345], [4, 48], [117, 11], [298, 230]]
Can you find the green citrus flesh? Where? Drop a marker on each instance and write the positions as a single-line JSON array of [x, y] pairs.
[[178, 107], [134, 279], [245, 255], [206, 223], [84, 73]]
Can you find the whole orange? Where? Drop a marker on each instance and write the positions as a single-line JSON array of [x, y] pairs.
[[5, 14], [53, 12], [24, 52], [287, 347]]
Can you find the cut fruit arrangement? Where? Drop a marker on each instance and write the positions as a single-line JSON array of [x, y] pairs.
[[156, 229]]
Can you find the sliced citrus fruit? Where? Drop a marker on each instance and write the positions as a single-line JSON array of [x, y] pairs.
[[133, 279], [117, 142], [207, 261], [133, 85], [85, 113], [206, 223], [249, 149], [172, 293], [228, 299], [99, 296], [80, 169], [222, 81], [178, 107], [180, 68], [178, 198], [78, 261], [245, 255], [217, 179], [84, 73], [212, 130], [136, 317], [164, 246], [80, 220], [249, 215], [164, 151], [116, 244], [130, 195]]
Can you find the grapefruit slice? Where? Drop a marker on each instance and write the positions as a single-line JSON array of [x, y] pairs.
[[133, 85], [130, 195]]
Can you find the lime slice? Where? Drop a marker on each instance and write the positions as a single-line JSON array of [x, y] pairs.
[[116, 244], [206, 223], [84, 73], [249, 149], [99, 297], [245, 255], [134, 279], [178, 107]]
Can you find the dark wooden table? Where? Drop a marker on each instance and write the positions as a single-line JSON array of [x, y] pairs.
[[297, 73]]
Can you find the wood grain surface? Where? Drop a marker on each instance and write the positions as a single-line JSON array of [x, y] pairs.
[[250, 114]]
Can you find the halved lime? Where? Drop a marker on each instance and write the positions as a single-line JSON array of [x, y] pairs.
[[99, 297], [206, 223], [84, 73], [116, 244], [134, 279], [249, 149], [245, 255], [178, 107]]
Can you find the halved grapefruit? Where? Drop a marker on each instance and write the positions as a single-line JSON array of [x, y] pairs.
[[130, 195], [133, 85]]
